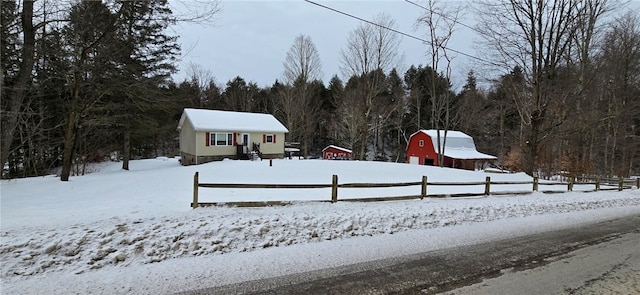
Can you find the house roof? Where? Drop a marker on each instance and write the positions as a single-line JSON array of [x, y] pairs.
[[458, 145], [215, 120], [337, 148]]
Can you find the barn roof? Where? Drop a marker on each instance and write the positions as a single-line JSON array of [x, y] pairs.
[[337, 148], [458, 145], [215, 120]]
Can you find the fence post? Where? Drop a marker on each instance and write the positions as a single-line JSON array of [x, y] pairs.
[[638, 182], [598, 184], [570, 184], [334, 188], [423, 193], [195, 191], [535, 183], [620, 184], [487, 186]]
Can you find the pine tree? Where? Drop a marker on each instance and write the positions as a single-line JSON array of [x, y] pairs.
[[146, 62], [122, 66]]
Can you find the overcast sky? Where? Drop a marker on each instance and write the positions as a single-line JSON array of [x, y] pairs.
[[251, 38]]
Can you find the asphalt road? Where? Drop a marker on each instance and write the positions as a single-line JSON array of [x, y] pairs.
[[611, 267], [500, 267]]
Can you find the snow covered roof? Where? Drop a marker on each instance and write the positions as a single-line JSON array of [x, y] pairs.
[[215, 120], [458, 145], [337, 148]]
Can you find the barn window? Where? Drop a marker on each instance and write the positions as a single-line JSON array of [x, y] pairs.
[[421, 142], [222, 139]]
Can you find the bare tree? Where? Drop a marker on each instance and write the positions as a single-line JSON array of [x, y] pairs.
[[302, 61], [371, 47], [202, 79], [372, 50], [285, 105], [352, 122], [196, 11], [18, 92], [302, 66], [535, 35], [580, 130], [440, 22], [620, 75]]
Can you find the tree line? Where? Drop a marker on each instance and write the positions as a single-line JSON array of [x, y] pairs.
[[84, 84]]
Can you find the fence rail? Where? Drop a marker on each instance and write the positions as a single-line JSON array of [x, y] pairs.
[[620, 184], [254, 185]]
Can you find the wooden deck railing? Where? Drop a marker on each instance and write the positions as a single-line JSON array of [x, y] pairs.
[[611, 184]]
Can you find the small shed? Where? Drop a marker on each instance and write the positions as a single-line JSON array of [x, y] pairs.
[[459, 149], [333, 152]]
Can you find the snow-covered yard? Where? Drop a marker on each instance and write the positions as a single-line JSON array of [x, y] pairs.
[[115, 231]]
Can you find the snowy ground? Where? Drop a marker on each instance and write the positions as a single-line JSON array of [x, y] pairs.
[[115, 231]]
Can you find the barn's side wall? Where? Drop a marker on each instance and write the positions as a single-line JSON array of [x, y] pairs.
[[467, 164]]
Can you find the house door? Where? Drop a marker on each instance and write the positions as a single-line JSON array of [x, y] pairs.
[[245, 143], [245, 139]]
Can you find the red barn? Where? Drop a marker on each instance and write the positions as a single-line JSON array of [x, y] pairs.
[[333, 152], [459, 152]]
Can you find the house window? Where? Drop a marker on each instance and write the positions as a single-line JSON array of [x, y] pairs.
[[269, 138], [222, 139], [421, 143]]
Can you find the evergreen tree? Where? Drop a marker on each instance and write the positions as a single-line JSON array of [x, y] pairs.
[[240, 96], [122, 60], [425, 110], [146, 60], [330, 116], [396, 135]]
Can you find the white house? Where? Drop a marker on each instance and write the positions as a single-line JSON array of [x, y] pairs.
[[210, 135]]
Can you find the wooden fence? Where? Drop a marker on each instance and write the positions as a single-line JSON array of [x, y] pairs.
[[609, 184]]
